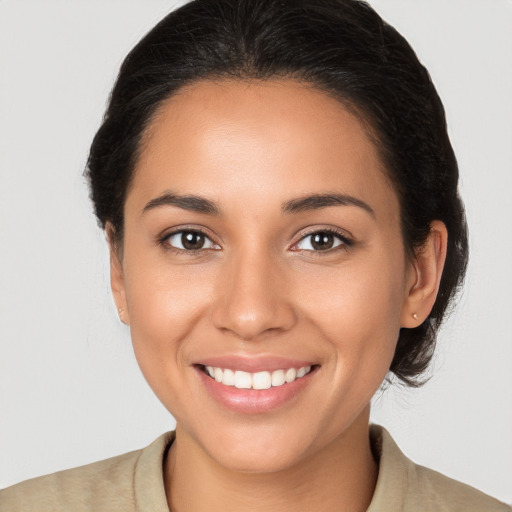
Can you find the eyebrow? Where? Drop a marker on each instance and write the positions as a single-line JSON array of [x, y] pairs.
[[186, 202], [200, 204], [318, 201]]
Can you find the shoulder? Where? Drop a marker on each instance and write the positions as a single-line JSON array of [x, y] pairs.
[[120, 483], [405, 486], [106, 481], [437, 489]]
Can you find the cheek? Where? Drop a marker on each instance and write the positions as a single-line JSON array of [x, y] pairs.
[[358, 307], [165, 303], [165, 313]]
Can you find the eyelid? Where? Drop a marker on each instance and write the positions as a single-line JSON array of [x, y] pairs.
[[345, 237], [166, 235]]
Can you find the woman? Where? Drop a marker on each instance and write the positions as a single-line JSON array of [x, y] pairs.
[[280, 199]]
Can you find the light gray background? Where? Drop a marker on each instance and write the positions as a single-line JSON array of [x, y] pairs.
[[70, 390]]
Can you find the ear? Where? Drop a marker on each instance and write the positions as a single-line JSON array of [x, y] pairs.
[[117, 276], [425, 276]]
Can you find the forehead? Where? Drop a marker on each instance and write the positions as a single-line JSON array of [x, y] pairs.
[[215, 137]]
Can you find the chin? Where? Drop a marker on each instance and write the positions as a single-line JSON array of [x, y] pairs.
[[251, 462], [259, 450]]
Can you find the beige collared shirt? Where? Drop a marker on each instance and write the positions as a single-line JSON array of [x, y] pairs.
[[133, 482]]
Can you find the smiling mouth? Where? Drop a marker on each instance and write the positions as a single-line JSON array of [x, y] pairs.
[[258, 380]]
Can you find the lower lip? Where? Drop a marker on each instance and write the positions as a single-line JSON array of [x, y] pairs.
[[254, 401]]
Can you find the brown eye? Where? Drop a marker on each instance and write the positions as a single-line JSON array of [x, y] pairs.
[[190, 241], [321, 241]]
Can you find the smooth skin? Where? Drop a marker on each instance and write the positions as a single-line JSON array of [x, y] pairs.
[[256, 284]]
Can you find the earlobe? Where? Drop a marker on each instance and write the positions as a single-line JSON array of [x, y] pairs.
[[117, 276], [427, 269]]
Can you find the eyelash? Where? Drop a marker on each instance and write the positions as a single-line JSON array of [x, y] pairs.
[[346, 242], [164, 241]]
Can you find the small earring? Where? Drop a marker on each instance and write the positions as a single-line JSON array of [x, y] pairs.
[[415, 316], [121, 313]]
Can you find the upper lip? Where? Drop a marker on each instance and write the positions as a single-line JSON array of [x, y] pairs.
[[253, 364]]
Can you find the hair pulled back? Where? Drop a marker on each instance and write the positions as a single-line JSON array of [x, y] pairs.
[[341, 47]]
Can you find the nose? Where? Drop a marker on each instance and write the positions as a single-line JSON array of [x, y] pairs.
[[252, 298]]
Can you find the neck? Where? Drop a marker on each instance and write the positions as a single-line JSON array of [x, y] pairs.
[[342, 476]]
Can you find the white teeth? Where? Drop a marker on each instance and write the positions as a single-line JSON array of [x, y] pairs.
[[278, 378], [259, 380], [243, 380], [300, 372], [228, 378], [290, 375]]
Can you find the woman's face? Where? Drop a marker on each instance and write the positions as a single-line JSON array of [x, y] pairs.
[[261, 237]]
